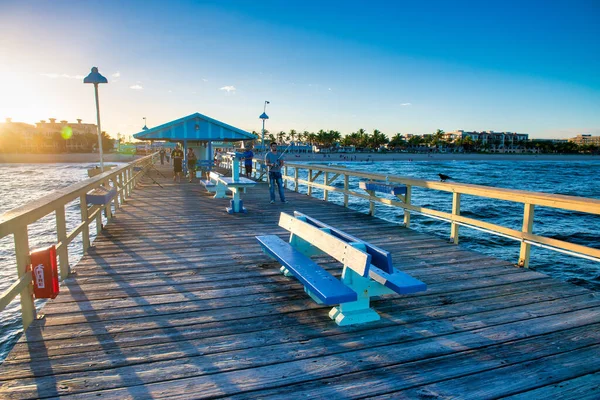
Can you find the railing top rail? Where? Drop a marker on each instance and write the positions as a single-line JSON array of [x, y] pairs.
[[36, 209], [572, 203]]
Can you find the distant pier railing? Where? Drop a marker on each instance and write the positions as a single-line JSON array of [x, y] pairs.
[[322, 177], [15, 222]]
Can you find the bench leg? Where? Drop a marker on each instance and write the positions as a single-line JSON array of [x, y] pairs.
[[220, 192], [285, 271], [359, 311]]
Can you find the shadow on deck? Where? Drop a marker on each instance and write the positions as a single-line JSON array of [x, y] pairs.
[[176, 299]]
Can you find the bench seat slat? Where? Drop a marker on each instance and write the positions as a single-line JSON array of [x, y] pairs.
[[207, 183], [321, 283], [399, 281]]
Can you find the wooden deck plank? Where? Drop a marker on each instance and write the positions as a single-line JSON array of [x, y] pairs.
[[175, 299]]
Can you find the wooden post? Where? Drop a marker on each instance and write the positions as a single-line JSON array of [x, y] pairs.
[[326, 182], [129, 181], [21, 238], [371, 203], [455, 211], [285, 173], [527, 228], [346, 187], [310, 179], [296, 179], [85, 232], [407, 201], [118, 196], [61, 233]]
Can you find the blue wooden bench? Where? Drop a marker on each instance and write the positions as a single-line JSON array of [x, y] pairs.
[[382, 187], [100, 196], [213, 185], [367, 271]]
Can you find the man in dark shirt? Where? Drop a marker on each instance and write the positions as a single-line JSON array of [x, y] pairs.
[[177, 155], [248, 156]]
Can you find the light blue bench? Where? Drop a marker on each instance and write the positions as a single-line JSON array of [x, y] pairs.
[[382, 187], [212, 184], [100, 196], [368, 270]]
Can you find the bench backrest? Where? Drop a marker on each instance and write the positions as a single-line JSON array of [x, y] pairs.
[[214, 175], [380, 258], [359, 261]]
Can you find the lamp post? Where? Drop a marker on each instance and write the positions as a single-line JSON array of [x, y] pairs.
[[145, 128], [264, 116], [95, 78]]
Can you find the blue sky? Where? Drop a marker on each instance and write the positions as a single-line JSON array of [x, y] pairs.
[[402, 66]]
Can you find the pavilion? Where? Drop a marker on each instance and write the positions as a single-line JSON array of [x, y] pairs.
[[197, 131]]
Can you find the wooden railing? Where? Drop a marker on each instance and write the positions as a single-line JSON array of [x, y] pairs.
[[322, 177], [15, 222]]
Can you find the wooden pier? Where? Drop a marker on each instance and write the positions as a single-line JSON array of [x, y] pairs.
[[176, 300]]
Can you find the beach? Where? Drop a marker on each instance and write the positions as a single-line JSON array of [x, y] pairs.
[[316, 157]]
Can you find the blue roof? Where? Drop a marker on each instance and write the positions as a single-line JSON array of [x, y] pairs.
[[194, 127]]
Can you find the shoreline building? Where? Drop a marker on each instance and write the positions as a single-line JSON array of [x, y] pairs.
[[47, 137], [501, 142], [586, 139]]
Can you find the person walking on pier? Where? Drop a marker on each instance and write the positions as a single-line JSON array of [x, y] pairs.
[[177, 155], [162, 153], [191, 163], [274, 162]]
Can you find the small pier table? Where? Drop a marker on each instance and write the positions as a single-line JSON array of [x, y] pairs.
[[236, 184]]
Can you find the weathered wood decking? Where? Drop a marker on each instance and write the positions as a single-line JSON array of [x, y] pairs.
[[176, 300]]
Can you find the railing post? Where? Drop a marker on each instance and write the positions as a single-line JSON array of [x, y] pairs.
[[108, 206], [310, 179], [285, 173], [325, 191], [85, 232], [527, 228], [296, 179], [346, 188], [407, 197], [22, 255], [116, 186], [455, 211], [371, 203], [61, 234]]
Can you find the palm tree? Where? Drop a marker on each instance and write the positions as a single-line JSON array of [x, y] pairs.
[[293, 134], [280, 137], [378, 139]]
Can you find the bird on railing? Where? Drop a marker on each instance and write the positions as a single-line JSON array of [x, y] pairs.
[[444, 177]]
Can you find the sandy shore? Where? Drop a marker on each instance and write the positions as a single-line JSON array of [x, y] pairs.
[[359, 157], [63, 158]]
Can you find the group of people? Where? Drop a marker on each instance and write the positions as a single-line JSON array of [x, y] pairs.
[[273, 160], [177, 156]]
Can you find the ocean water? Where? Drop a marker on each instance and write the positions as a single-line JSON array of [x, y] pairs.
[[558, 177], [21, 183]]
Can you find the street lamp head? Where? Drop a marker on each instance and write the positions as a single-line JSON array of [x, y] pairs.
[[95, 77], [264, 116]]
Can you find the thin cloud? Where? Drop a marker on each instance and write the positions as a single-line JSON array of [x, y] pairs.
[[66, 76], [406, 104], [204, 80], [228, 89], [136, 87], [116, 75]]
